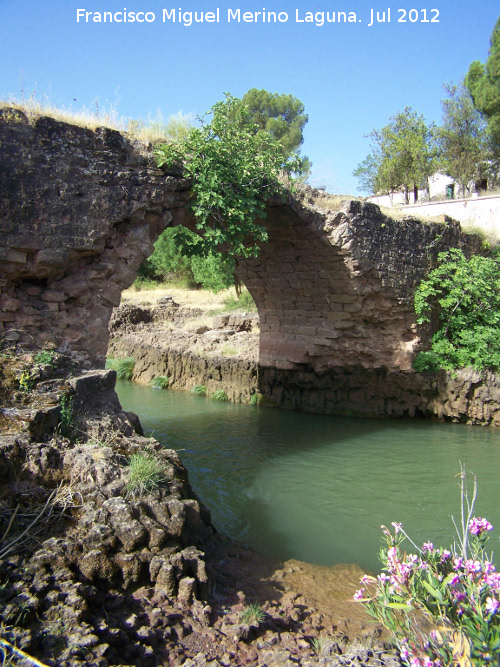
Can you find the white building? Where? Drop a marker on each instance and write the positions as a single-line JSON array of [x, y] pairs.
[[441, 187]]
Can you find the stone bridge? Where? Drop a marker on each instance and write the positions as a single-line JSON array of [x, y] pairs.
[[80, 210]]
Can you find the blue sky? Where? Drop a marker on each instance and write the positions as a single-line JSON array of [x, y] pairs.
[[350, 77]]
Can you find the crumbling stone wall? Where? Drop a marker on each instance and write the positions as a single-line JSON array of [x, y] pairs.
[[335, 289], [80, 210]]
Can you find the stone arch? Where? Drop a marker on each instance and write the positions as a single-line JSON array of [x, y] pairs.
[[80, 210]]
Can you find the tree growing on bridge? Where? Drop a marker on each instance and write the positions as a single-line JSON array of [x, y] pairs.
[[234, 170], [403, 157]]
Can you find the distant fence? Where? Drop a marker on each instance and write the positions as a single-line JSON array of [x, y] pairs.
[[481, 212]]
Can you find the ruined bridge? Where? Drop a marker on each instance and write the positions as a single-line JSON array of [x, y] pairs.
[[80, 210]]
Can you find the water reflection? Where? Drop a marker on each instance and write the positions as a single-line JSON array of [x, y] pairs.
[[315, 487]]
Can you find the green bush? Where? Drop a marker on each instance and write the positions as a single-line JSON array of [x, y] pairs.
[[67, 423], [170, 263], [44, 357], [465, 296], [200, 390], [213, 272]]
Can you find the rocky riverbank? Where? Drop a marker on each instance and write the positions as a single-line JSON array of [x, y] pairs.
[[221, 352], [189, 346], [103, 566]]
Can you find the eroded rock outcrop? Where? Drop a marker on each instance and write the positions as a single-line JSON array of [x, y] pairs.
[[98, 571], [106, 531]]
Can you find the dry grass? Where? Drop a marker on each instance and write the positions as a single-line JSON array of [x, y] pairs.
[[153, 130], [490, 236], [399, 214], [83, 117], [203, 299], [26, 523], [202, 321], [327, 201]]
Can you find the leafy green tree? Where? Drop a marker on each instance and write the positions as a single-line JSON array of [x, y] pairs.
[[404, 155], [483, 83], [168, 262], [214, 272], [462, 137], [366, 172], [234, 170], [281, 116], [465, 295]]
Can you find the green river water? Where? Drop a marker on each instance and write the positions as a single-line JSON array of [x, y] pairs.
[[316, 487]]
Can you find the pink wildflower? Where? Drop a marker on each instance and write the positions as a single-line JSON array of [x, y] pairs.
[[386, 531], [359, 595], [493, 581], [445, 555], [392, 554], [472, 566], [478, 526], [492, 605], [404, 653], [458, 563], [428, 546], [397, 527], [454, 581]]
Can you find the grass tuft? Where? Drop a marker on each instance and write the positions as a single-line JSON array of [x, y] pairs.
[[200, 390], [145, 474], [160, 382], [317, 643], [252, 613], [228, 350], [67, 423], [220, 395], [124, 367]]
